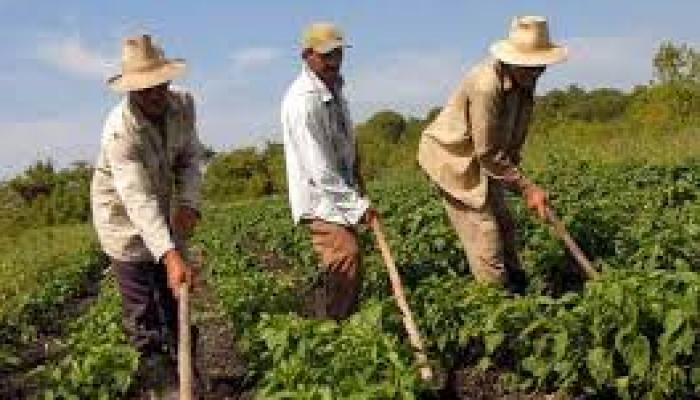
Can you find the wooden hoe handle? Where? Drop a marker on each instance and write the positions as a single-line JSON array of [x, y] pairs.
[[410, 325], [184, 353], [560, 230]]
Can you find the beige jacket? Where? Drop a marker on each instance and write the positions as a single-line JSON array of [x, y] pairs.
[[478, 135], [139, 177]]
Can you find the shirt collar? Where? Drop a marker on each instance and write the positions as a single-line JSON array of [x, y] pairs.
[[312, 83]]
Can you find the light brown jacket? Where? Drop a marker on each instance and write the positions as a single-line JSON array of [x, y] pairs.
[[478, 135], [140, 174]]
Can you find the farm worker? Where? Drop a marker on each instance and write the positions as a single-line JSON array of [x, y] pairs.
[[472, 150], [145, 197], [326, 192]]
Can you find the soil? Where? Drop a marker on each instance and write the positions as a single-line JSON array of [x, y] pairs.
[[472, 384], [222, 371], [221, 366]]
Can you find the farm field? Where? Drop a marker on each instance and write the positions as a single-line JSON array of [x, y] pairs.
[[631, 335], [46, 274]]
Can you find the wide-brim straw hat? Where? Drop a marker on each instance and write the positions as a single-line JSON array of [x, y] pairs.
[[144, 65], [528, 44]]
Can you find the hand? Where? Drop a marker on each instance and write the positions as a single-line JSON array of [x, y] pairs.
[[370, 216], [536, 199], [178, 272], [184, 220]]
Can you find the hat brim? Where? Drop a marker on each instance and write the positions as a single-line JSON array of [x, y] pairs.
[[506, 52], [330, 46], [131, 81]]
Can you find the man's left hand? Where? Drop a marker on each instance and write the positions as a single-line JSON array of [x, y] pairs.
[[184, 220], [536, 200], [369, 216]]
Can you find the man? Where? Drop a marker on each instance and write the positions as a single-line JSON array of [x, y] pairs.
[[472, 149], [326, 193], [145, 195]]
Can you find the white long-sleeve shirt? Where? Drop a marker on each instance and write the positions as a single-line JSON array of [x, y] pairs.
[[319, 146]]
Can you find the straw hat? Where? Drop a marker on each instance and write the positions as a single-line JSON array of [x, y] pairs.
[[528, 44], [144, 65], [322, 37]]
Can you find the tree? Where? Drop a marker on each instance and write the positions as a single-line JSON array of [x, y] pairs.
[[273, 158], [386, 124], [676, 63]]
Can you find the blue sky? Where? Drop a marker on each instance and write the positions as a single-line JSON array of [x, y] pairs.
[[243, 54]]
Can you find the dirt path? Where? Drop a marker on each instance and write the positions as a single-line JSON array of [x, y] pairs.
[[221, 368], [470, 384]]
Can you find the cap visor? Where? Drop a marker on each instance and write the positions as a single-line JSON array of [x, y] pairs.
[[330, 46]]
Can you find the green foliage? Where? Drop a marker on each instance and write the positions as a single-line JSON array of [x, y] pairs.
[[670, 105], [245, 173], [576, 104], [40, 271], [674, 63], [42, 196], [356, 359], [388, 125], [388, 142], [631, 335], [97, 362]]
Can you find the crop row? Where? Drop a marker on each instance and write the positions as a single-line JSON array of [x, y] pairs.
[[40, 272], [631, 335]]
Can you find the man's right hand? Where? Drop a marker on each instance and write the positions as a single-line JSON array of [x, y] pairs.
[[177, 270]]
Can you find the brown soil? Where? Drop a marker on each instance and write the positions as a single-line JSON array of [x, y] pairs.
[[471, 384], [221, 369]]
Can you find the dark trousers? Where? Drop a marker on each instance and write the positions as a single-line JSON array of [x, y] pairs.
[[149, 310]]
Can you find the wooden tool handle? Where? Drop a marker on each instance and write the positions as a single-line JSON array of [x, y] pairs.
[[560, 230], [184, 356], [408, 322], [194, 258]]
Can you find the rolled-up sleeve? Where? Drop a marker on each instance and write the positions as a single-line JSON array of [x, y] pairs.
[[187, 170], [133, 185], [485, 108], [338, 199]]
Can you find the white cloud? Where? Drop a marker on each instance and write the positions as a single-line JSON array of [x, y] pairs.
[[415, 80], [407, 81], [71, 55], [255, 57], [605, 61]]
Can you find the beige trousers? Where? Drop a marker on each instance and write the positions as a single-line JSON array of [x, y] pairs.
[[338, 251], [488, 235]]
